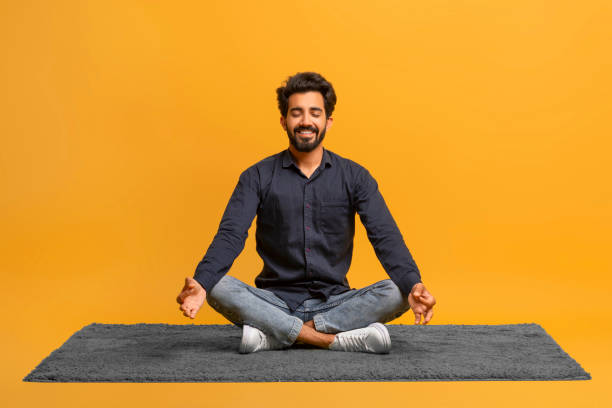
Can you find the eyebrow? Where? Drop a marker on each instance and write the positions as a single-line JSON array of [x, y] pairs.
[[312, 109]]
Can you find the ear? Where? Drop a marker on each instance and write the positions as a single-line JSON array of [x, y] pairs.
[[329, 123], [283, 122]]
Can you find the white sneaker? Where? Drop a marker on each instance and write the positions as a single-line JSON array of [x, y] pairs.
[[372, 339], [254, 340]]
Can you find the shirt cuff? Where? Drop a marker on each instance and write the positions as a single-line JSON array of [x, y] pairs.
[[207, 281], [407, 281]]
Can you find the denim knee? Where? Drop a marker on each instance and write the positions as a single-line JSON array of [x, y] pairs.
[[395, 301], [223, 290]]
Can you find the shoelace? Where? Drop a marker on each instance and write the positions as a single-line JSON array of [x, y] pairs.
[[354, 341]]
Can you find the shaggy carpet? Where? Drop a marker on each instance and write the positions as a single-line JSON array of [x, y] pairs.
[[209, 353]]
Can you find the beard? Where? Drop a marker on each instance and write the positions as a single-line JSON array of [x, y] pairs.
[[302, 145]]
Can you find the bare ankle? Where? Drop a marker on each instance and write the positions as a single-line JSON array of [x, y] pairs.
[[310, 335]]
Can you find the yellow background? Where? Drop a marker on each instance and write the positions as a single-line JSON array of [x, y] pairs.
[[126, 124]]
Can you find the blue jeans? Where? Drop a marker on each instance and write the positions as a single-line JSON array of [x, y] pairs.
[[244, 304]]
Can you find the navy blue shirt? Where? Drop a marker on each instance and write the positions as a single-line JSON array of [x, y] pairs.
[[305, 228]]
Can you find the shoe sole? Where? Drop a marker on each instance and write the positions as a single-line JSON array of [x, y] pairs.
[[385, 334]]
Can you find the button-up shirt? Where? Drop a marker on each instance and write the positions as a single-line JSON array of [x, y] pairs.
[[305, 228]]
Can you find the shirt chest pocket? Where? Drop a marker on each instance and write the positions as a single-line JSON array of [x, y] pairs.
[[335, 217]]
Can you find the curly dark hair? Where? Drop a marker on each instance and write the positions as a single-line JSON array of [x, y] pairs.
[[304, 82]]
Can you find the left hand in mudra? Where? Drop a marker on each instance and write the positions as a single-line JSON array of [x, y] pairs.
[[421, 303]]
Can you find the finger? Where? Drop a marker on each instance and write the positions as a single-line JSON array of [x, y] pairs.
[[181, 296], [185, 293], [428, 316], [417, 318], [430, 298], [427, 300]]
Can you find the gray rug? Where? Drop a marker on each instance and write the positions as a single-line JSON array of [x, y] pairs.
[[209, 353]]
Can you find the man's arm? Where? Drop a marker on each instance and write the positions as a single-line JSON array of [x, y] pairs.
[[383, 233], [233, 231]]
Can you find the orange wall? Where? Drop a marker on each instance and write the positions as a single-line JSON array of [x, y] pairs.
[[125, 126]]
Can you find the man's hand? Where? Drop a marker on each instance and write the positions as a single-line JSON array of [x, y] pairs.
[[191, 298], [421, 303]]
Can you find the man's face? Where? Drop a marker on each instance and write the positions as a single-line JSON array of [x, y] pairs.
[[306, 123]]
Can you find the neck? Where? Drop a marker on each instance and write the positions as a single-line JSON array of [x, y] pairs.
[[307, 160]]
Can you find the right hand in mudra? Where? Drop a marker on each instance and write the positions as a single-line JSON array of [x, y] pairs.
[[191, 298]]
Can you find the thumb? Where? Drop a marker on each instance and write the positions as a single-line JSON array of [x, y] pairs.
[[191, 283]]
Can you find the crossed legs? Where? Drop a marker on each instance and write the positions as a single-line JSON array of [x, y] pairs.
[[244, 304], [309, 335]]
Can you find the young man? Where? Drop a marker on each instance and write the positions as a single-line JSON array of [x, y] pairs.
[[305, 199]]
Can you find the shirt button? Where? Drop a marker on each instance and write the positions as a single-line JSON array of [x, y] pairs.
[[308, 249], [307, 205], [307, 228]]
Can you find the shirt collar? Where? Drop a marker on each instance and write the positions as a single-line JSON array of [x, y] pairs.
[[288, 159]]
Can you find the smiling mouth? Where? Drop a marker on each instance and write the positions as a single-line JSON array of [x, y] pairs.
[[305, 133]]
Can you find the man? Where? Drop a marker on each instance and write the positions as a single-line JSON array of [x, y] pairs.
[[305, 199]]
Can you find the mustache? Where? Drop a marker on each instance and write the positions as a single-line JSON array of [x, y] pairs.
[[305, 128]]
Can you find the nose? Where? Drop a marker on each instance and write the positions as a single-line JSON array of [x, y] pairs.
[[306, 121]]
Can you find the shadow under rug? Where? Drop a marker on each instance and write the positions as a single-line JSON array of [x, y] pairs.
[[209, 353]]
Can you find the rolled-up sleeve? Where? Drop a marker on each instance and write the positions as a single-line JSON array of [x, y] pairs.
[[383, 233], [233, 230]]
